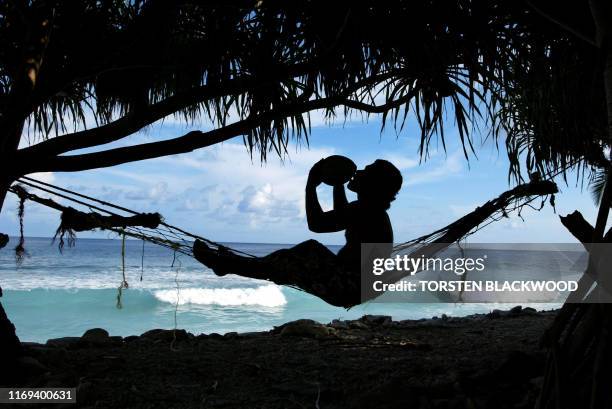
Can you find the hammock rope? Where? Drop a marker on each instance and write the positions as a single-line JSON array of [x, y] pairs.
[[163, 234], [490, 212], [129, 223], [179, 240]]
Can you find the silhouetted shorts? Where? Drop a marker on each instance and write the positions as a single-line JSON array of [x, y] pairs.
[[312, 267]]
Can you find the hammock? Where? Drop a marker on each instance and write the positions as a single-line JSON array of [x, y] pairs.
[[152, 228], [73, 220], [96, 213]]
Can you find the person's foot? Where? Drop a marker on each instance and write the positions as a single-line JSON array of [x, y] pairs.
[[209, 257]]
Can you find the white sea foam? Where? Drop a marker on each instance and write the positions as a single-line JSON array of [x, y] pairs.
[[266, 295], [154, 278]]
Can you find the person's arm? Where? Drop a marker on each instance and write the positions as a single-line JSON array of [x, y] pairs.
[[340, 200], [318, 220]]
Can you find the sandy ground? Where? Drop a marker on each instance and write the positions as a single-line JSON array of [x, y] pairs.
[[481, 361]]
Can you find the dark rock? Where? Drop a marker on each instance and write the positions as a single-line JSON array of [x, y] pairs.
[[96, 336], [393, 393], [358, 325], [84, 391], [251, 334], [338, 324], [376, 319], [277, 330], [151, 333], [307, 329], [65, 342], [31, 344], [166, 335], [52, 356], [516, 310], [520, 365], [31, 366], [409, 323], [131, 338], [57, 380], [433, 322]]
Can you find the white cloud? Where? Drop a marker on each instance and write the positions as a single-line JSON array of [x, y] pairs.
[[262, 206], [153, 193], [217, 188], [47, 177], [462, 210], [400, 161], [230, 166], [452, 166]]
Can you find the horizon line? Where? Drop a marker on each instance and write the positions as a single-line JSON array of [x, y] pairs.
[[134, 239]]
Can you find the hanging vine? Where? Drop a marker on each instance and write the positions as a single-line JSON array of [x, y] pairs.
[[142, 260], [175, 259], [66, 234], [124, 284], [20, 252]]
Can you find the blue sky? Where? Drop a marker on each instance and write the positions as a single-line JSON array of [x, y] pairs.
[[221, 193]]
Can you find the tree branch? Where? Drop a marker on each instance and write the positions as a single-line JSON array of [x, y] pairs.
[[133, 122], [37, 159], [183, 144], [379, 109], [576, 224]]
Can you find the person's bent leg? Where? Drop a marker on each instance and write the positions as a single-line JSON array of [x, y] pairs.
[[285, 266], [303, 264], [223, 261], [309, 265]]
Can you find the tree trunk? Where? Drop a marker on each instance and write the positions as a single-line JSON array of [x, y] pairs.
[[10, 346], [579, 365]]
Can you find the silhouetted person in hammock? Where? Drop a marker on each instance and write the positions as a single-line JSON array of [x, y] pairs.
[[310, 265]]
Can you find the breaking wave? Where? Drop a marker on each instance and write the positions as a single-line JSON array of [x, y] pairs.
[[266, 295]]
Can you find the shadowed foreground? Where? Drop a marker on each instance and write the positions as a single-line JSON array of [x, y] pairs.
[[479, 361]]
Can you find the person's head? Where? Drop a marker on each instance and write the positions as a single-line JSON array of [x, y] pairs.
[[377, 183]]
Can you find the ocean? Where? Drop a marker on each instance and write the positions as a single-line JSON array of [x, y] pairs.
[[52, 294]]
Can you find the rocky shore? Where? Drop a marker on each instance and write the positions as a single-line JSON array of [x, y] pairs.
[[481, 361]]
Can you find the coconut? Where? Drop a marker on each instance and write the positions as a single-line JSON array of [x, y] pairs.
[[337, 170]]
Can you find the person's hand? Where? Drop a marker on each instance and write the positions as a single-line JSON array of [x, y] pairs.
[[315, 175]]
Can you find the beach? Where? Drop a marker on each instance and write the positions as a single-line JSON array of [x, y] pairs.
[[185, 338], [479, 361]]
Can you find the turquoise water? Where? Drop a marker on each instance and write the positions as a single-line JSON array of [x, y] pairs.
[[54, 295]]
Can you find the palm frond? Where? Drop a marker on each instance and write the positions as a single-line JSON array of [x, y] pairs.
[[597, 183], [432, 61]]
